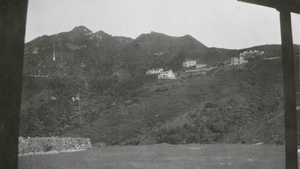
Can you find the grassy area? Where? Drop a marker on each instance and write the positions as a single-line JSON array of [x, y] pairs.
[[163, 156]]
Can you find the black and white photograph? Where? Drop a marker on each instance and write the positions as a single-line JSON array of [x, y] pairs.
[[149, 84]]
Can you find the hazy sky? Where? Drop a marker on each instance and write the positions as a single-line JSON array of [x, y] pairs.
[[215, 23]]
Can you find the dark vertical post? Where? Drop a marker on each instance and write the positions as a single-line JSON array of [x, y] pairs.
[[291, 159], [79, 108], [12, 33]]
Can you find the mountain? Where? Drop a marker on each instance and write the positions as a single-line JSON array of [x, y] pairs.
[[159, 50], [81, 83], [96, 65]]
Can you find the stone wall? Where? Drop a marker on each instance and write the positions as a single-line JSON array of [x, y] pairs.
[[46, 144]]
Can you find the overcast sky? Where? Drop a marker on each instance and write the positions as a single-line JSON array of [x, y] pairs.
[[215, 23]]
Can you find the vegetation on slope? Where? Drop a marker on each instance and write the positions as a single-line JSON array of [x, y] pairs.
[[229, 106], [119, 104], [247, 108]]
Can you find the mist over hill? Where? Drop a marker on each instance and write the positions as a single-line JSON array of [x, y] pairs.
[[80, 83]]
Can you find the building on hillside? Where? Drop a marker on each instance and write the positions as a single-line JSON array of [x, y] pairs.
[[238, 60], [189, 63], [260, 52], [234, 61], [154, 71], [166, 75], [35, 50], [251, 52], [199, 66]]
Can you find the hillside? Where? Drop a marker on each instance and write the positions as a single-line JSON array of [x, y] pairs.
[[231, 106], [95, 65], [117, 103]]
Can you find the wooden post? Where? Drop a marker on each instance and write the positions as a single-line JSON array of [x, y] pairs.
[[79, 108], [291, 159], [12, 32]]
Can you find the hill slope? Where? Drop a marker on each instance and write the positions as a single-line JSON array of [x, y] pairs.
[[117, 103], [97, 66], [230, 106]]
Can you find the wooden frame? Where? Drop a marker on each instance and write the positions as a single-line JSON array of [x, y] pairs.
[[12, 32], [285, 7]]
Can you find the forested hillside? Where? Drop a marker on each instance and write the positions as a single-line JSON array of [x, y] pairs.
[[80, 83]]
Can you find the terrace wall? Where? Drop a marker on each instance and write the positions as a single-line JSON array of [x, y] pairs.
[[46, 144]]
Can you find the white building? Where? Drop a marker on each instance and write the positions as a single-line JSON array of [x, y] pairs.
[[154, 71], [238, 61], [189, 63], [257, 52], [234, 61], [35, 50], [166, 75]]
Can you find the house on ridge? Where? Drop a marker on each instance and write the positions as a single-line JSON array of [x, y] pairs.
[[238, 60], [166, 75], [189, 63]]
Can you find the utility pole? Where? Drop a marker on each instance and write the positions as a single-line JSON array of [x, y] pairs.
[[54, 51], [77, 97], [79, 108]]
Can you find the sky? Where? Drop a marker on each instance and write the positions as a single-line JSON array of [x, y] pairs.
[[215, 23]]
